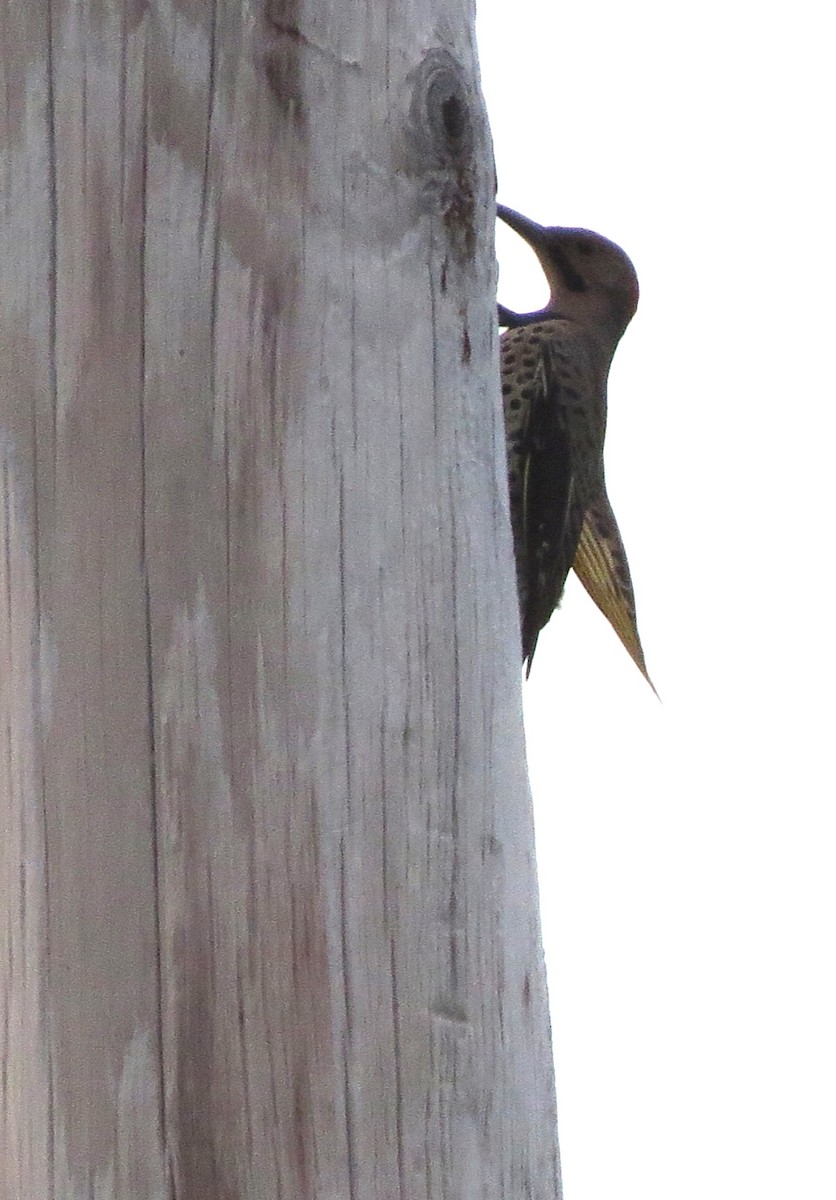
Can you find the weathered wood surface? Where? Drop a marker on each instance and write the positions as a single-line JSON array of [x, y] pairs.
[[267, 892]]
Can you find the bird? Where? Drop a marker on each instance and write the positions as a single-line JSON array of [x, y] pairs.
[[554, 366]]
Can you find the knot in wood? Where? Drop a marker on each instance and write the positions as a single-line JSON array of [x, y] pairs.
[[442, 139], [440, 117]]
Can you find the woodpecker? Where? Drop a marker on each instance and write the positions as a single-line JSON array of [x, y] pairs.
[[554, 368]]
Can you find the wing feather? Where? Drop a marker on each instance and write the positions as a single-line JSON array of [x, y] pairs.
[[551, 520]]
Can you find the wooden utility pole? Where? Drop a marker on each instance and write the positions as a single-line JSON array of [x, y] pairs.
[[267, 890]]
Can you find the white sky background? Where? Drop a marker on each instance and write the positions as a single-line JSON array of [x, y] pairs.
[[687, 851]]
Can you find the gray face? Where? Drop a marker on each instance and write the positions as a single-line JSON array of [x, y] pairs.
[[589, 274]]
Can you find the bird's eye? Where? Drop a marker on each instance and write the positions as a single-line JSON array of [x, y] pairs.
[[584, 248]]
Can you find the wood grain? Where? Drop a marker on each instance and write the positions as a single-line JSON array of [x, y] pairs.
[[267, 887]]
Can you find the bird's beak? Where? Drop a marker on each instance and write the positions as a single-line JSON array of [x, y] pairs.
[[529, 231]]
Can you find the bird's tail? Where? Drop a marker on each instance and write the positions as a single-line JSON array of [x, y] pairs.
[[601, 565]]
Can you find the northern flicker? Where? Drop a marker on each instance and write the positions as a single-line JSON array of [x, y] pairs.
[[554, 366]]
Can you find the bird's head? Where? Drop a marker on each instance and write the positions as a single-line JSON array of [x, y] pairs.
[[590, 278]]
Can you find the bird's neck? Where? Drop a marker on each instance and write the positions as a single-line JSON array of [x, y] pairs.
[[516, 320], [601, 341]]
